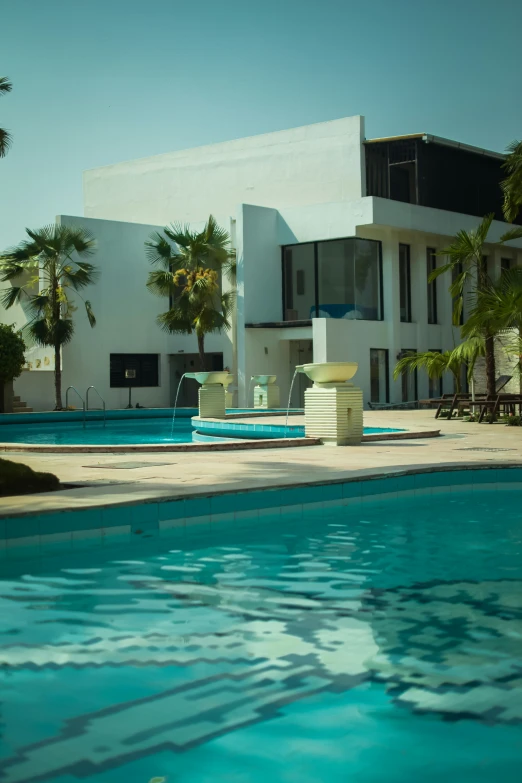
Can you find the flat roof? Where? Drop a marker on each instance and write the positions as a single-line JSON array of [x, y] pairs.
[[428, 138]]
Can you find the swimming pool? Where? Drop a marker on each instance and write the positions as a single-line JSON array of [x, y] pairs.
[[138, 431], [375, 641]]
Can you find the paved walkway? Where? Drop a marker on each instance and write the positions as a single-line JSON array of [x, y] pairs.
[[123, 478]]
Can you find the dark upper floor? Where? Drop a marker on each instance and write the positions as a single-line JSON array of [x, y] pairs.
[[433, 172]]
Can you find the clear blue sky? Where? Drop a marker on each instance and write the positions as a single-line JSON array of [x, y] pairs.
[[100, 81]]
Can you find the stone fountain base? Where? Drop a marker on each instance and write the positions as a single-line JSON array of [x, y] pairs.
[[266, 396], [212, 401], [334, 413]]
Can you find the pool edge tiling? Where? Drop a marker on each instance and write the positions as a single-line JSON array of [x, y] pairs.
[[26, 534]]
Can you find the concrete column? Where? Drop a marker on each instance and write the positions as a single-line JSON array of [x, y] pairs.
[[392, 313], [419, 304]]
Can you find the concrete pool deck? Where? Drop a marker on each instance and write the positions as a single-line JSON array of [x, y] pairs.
[[112, 479]]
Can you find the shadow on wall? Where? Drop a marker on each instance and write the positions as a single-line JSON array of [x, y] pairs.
[[36, 388]]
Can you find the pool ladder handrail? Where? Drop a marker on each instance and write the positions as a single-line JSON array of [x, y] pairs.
[[102, 402], [81, 398]]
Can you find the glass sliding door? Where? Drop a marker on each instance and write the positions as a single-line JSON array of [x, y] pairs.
[[379, 377], [405, 283], [431, 265], [409, 380], [299, 282]]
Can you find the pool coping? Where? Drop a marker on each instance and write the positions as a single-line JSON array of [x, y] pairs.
[[234, 444], [368, 475]]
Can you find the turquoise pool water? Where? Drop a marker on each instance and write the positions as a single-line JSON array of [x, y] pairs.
[[121, 431], [366, 643]]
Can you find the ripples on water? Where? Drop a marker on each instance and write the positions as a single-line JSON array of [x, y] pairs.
[[382, 643]]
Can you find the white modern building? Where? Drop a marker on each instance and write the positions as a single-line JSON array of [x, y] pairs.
[[335, 237]]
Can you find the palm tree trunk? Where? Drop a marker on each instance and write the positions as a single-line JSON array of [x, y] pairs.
[[57, 379], [201, 349], [490, 366]]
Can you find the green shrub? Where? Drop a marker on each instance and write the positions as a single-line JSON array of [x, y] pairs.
[[513, 421], [18, 479], [12, 349]]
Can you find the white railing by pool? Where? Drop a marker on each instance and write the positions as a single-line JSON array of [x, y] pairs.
[[81, 398], [102, 402]]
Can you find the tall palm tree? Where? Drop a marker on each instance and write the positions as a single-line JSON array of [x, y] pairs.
[[512, 185], [190, 265], [467, 255], [498, 309], [5, 136], [45, 269]]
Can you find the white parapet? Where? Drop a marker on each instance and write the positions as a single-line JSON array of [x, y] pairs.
[[334, 413], [266, 396], [212, 401]]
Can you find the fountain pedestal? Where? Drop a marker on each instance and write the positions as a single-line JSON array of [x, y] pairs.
[[333, 408], [266, 396], [211, 398], [266, 393], [334, 413]]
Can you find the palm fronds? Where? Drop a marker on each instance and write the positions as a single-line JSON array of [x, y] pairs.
[[512, 185]]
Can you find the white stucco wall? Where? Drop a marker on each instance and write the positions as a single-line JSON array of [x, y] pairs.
[[317, 163], [126, 323]]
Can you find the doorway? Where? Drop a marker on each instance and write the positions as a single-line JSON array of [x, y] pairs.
[[189, 362], [301, 352]]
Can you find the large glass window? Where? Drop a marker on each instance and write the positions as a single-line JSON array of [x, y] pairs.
[[334, 279], [299, 282], [379, 383], [409, 380], [405, 282], [431, 265]]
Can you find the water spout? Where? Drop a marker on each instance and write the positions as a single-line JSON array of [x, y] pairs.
[[252, 378], [176, 405], [299, 368]]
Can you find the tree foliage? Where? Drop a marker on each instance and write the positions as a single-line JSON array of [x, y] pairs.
[[12, 348], [5, 136], [512, 185], [44, 271], [190, 269]]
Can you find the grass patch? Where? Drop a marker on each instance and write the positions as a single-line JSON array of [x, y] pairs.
[[18, 479]]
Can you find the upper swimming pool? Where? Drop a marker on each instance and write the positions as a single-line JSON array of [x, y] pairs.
[[376, 642], [135, 431]]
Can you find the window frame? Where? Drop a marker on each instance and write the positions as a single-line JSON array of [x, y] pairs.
[[408, 318], [316, 243], [386, 370], [431, 266], [136, 359]]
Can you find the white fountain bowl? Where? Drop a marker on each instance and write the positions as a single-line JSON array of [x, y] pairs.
[[330, 372], [228, 380], [209, 377], [264, 380]]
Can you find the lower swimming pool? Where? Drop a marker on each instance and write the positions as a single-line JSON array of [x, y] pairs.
[[378, 641], [128, 431]]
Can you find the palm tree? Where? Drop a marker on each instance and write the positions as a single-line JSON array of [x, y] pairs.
[[498, 310], [5, 137], [512, 185], [435, 363], [190, 264], [467, 254], [51, 263]]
